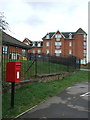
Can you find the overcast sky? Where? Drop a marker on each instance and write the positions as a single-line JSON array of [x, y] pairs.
[[34, 18]]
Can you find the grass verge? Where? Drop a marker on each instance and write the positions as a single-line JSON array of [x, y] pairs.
[[32, 94]]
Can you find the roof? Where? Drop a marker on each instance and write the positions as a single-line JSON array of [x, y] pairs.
[[50, 35], [81, 31], [9, 40], [28, 40], [65, 34]]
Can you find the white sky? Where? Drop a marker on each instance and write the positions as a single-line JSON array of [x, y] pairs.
[[34, 18]]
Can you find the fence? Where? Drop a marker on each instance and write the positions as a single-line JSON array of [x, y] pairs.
[[39, 67]]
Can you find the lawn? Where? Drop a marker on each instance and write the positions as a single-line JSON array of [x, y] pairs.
[[32, 94], [87, 66]]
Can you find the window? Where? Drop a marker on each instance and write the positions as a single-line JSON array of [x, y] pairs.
[[39, 51], [13, 56], [47, 43], [57, 51], [47, 37], [70, 51], [70, 43], [58, 36], [33, 51], [5, 49], [33, 44], [23, 52], [58, 43], [85, 53], [47, 51], [39, 44], [70, 36], [85, 37], [85, 45]]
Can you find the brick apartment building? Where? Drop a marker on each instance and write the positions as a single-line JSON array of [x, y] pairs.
[[62, 44], [36, 46]]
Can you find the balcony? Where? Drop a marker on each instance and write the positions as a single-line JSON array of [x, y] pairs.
[[58, 44]]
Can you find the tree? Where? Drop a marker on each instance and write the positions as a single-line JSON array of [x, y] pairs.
[[3, 23]]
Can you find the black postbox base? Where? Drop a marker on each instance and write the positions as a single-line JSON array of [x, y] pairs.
[[12, 94]]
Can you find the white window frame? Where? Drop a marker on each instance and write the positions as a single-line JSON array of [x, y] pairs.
[[5, 49], [70, 52], [70, 36], [39, 44], [85, 46], [14, 56], [57, 54], [58, 44], [39, 51], [33, 44], [84, 43], [47, 51], [58, 51], [85, 37], [70, 44], [85, 53], [47, 36], [47, 44], [58, 36], [23, 52], [33, 51]]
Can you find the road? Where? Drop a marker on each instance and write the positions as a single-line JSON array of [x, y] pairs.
[[71, 103]]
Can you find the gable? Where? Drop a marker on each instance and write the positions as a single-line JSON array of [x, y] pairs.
[[80, 31]]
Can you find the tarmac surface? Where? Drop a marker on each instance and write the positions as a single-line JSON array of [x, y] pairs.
[[71, 103]]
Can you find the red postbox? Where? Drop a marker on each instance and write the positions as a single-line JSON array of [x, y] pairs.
[[13, 71]]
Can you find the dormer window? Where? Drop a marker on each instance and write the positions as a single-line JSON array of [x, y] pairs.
[[47, 37], [70, 36], [33, 44], [58, 36], [39, 44]]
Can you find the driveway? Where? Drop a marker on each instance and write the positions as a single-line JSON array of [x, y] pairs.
[[71, 103]]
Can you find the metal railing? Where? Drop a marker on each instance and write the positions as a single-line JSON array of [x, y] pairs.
[[35, 67]]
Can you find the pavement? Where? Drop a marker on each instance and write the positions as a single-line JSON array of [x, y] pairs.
[[71, 103]]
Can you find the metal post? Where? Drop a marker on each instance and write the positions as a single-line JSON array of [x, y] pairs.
[[12, 94], [35, 66]]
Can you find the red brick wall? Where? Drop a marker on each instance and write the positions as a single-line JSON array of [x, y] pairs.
[[36, 49], [14, 49], [79, 46]]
